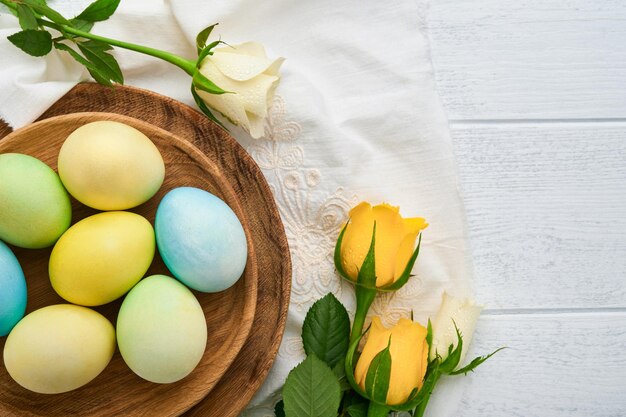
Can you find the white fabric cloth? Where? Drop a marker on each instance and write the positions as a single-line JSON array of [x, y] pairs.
[[357, 118]]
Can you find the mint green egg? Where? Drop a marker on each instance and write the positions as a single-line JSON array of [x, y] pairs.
[[35, 209]]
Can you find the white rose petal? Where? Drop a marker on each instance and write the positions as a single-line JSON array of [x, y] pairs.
[[463, 312], [251, 79]]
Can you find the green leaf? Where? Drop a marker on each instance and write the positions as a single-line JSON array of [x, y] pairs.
[[406, 274], [93, 70], [203, 83], [378, 373], [202, 37], [337, 255], [349, 366], [357, 410], [99, 10], [204, 108], [279, 409], [311, 390], [340, 372], [43, 9], [429, 335], [83, 25], [33, 42], [367, 273], [96, 53], [474, 363], [27, 17], [326, 330], [454, 354]]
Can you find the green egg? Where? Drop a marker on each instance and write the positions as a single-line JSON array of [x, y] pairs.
[[35, 209]]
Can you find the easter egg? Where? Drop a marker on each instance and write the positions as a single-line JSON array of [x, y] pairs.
[[200, 239], [101, 257], [59, 348], [110, 166], [161, 330], [12, 290], [35, 209]]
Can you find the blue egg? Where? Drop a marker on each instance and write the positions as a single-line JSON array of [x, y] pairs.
[[200, 239], [12, 290]]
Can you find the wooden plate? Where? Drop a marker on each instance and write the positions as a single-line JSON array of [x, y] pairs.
[[117, 390], [246, 374]]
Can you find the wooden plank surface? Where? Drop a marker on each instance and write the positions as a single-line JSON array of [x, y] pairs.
[[546, 206], [558, 365], [533, 59], [536, 95]]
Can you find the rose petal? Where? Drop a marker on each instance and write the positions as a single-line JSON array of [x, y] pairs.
[[390, 232], [240, 67], [357, 239]]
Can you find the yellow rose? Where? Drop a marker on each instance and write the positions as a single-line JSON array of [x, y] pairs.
[[394, 246], [409, 357], [250, 78]]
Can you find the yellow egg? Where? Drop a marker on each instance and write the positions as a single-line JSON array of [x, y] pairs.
[[101, 257], [59, 348], [110, 166]]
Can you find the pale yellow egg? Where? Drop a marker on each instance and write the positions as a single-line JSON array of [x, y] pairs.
[[59, 348], [101, 257], [110, 166]]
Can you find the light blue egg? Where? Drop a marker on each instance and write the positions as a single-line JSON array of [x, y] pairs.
[[12, 290], [200, 239]]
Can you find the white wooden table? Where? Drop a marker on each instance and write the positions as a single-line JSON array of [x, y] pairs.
[[536, 95]]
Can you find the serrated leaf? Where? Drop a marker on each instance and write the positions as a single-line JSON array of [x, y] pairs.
[[279, 409], [311, 390], [33, 42], [83, 25], [202, 37], [357, 410], [96, 53], [27, 17], [378, 373], [367, 273], [474, 363], [326, 330], [43, 9], [99, 10]]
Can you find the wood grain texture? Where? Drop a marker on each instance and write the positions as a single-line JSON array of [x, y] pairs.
[[229, 314], [532, 59], [251, 365], [557, 365], [545, 206]]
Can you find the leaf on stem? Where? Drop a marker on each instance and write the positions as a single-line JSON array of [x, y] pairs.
[[27, 17], [33, 42], [474, 363], [96, 53], [202, 37], [83, 25], [311, 390], [43, 9], [98, 11], [357, 410], [92, 68], [326, 330], [454, 354], [378, 373]]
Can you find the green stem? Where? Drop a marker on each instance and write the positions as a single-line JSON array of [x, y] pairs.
[[364, 298], [377, 410], [421, 408], [186, 65]]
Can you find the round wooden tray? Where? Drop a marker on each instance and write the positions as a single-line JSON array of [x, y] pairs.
[[219, 165]]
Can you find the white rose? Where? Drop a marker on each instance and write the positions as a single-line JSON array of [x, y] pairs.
[[463, 312], [250, 77]]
